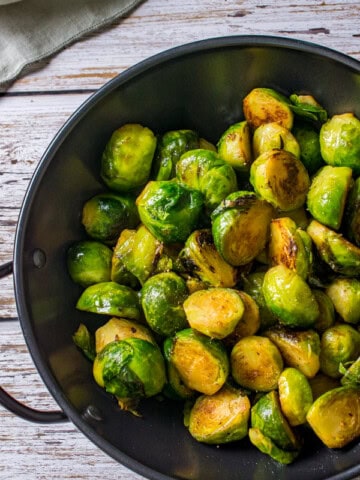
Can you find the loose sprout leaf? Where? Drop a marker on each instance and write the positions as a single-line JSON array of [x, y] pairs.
[[85, 341], [308, 111]]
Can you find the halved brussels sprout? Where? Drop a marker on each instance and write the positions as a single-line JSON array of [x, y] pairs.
[[84, 340], [351, 373], [268, 446], [273, 135], [205, 171], [334, 416], [345, 295], [200, 258], [170, 147], [120, 329], [89, 262], [339, 344], [105, 215], [234, 146], [127, 158], [175, 388], [309, 143], [352, 213], [162, 298], [215, 311], [321, 384], [220, 418], [340, 141], [169, 210], [252, 285], [328, 193], [340, 254], [256, 363], [295, 395], [289, 297], [265, 105], [299, 348], [281, 179], [326, 317], [110, 298], [240, 227], [119, 272], [249, 323], [131, 368], [202, 362]]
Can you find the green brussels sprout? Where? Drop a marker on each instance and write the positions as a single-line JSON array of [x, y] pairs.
[[326, 317], [287, 246], [84, 340], [162, 298], [240, 227], [334, 416], [169, 210], [127, 158], [200, 259], [351, 374], [205, 171], [248, 324], [340, 141], [201, 362], [234, 146], [214, 312], [120, 329], [256, 363], [345, 295], [253, 286], [352, 213], [174, 388], [170, 147], [307, 108], [268, 446], [341, 255], [295, 395], [321, 384], [308, 139], [110, 298], [328, 193], [206, 145], [130, 368], [271, 136], [289, 297], [281, 179], [265, 105], [220, 418], [119, 272], [299, 348], [89, 262], [339, 344], [299, 216], [105, 215]]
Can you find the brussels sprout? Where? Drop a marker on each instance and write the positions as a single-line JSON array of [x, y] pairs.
[[351, 374], [266, 415], [105, 215], [287, 247], [253, 286], [240, 227], [273, 135], [281, 179], [220, 418], [206, 145], [326, 317], [127, 158], [256, 363], [334, 416], [267, 445], [295, 395], [215, 311], [169, 210], [205, 171], [175, 389], [131, 368], [162, 298], [327, 195], [234, 146], [200, 258], [339, 344], [309, 143], [306, 107], [289, 297], [84, 340], [299, 348], [340, 254], [170, 147], [249, 323], [340, 141], [120, 329], [89, 262], [321, 384], [265, 105], [352, 213], [119, 272], [345, 295], [110, 298], [202, 362]]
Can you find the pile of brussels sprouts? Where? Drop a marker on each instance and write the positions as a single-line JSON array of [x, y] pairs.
[[231, 274]]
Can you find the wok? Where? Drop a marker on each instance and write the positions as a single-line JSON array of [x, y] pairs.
[[199, 86]]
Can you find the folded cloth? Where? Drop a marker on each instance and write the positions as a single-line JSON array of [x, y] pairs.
[[32, 30]]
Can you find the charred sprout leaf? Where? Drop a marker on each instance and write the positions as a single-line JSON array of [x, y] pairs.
[[89, 262], [84, 340], [345, 295], [352, 213], [234, 146], [295, 395], [306, 107], [308, 139], [268, 446], [271, 136]]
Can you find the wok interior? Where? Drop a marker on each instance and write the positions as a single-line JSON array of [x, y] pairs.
[[202, 90]]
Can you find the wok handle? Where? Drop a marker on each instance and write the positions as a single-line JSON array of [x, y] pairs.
[[15, 406]]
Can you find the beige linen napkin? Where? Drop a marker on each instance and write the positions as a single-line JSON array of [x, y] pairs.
[[31, 30]]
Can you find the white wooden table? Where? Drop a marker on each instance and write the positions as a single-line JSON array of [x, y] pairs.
[[31, 112]]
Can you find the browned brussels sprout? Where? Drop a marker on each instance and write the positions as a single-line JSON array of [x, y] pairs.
[[352, 213], [273, 135], [295, 395], [248, 324], [127, 158], [345, 295], [252, 285], [234, 146]]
